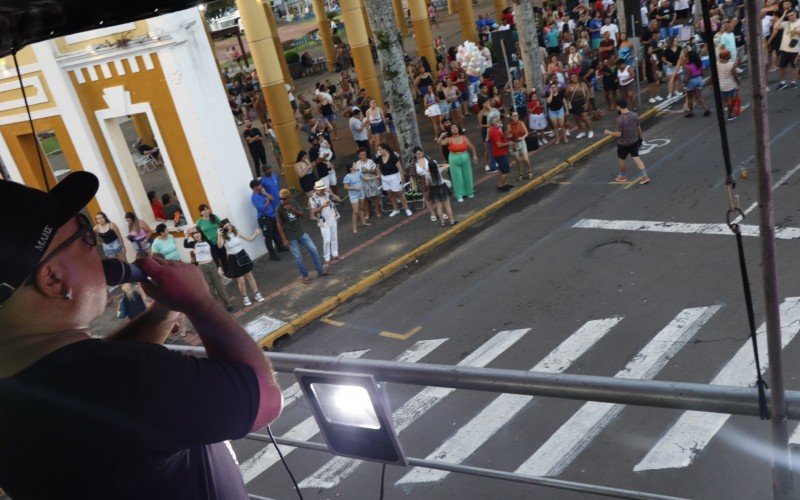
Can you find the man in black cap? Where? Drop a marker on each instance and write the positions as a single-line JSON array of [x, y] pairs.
[[120, 417]]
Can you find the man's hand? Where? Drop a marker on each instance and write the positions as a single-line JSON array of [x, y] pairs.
[[175, 285]]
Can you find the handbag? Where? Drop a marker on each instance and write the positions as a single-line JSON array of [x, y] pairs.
[[736, 105], [532, 142]]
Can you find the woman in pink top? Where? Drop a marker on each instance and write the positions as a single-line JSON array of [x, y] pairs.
[[694, 84]]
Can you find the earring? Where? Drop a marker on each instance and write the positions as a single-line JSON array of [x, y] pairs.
[[68, 295]]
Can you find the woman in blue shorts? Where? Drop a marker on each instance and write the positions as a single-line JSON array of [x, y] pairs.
[[694, 84], [354, 185], [556, 112]]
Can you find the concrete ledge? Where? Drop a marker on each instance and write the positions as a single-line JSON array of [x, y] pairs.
[[389, 269]]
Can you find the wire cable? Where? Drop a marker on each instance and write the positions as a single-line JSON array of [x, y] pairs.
[[30, 121], [296, 487], [383, 476]]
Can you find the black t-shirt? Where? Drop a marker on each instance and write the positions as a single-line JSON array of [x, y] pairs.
[[665, 11], [124, 419], [390, 166], [254, 132]]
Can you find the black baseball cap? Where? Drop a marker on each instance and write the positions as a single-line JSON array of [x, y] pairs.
[[25, 237]]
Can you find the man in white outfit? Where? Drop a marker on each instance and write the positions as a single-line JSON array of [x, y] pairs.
[[327, 217]]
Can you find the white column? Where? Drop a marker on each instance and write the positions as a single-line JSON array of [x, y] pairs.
[[8, 161], [202, 105]]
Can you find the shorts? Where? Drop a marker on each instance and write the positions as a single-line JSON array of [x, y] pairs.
[[786, 59], [624, 151], [330, 179], [555, 114], [596, 43], [294, 104], [355, 196], [112, 249], [553, 50], [502, 164], [610, 84], [392, 183], [331, 118], [727, 94], [695, 83], [775, 46], [626, 88], [378, 128], [519, 148]]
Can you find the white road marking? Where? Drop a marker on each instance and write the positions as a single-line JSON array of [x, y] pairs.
[[695, 429], [506, 406], [576, 434], [337, 469], [795, 437], [775, 186], [264, 459], [648, 146], [781, 233]]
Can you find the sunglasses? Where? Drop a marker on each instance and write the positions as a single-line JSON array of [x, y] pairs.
[[85, 232]]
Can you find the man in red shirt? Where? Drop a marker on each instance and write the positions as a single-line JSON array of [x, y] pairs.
[[500, 153]]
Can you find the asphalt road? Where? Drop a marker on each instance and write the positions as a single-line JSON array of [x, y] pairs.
[[556, 282]]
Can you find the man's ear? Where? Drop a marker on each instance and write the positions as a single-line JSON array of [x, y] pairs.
[[49, 280]]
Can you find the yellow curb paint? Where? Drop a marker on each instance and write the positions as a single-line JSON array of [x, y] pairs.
[[386, 271], [327, 320], [398, 336]]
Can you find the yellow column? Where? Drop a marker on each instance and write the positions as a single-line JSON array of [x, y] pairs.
[[451, 7], [499, 6], [324, 25], [422, 30], [260, 39], [359, 47], [469, 30], [400, 16], [366, 19], [143, 130], [276, 40]]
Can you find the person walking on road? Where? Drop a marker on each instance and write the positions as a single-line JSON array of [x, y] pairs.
[[290, 227], [629, 137], [694, 84], [460, 164], [728, 81]]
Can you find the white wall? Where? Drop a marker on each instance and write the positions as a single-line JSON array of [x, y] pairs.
[[202, 104]]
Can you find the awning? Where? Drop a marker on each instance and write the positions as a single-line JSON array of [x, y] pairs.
[[23, 22]]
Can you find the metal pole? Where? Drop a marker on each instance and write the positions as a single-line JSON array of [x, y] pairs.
[[546, 482], [781, 467], [636, 59]]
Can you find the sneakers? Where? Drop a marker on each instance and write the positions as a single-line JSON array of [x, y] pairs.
[[394, 213], [259, 297], [659, 98], [543, 141], [581, 135], [567, 130], [433, 218], [782, 86], [408, 212], [644, 180], [732, 117], [486, 168], [793, 85], [620, 178], [504, 188], [591, 134], [460, 200], [274, 257], [707, 113], [669, 96], [247, 301], [652, 100], [689, 115]]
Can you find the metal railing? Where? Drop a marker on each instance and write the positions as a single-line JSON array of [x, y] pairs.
[[648, 393]]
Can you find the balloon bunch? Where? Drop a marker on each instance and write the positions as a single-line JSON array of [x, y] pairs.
[[471, 60]]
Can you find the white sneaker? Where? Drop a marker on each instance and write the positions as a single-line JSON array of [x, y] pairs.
[[460, 200], [669, 96], [543, 141], [659, 98], [550, 133], [651, 100], [568, 134], [259, 297], [487, 167], [580, 136], [394, 213], [247, 301], [591, 134], [445, 217], [408, 212]]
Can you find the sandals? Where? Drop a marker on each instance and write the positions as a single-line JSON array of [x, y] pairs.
[[530, 175], [519, 178]]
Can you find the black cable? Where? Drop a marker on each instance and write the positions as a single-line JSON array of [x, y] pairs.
[[296, 487], [30, 121], [383, 476], [763, 410], [712, 58]]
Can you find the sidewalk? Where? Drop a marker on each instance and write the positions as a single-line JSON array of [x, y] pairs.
[[287, 298]]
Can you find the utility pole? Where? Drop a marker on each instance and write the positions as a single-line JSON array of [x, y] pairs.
[[781, 467]]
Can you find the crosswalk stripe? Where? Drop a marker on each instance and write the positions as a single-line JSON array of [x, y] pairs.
[[576, 434], [338, 468], [264, 459], [795, 437], [306, 429], [506, 406], [695, 429]]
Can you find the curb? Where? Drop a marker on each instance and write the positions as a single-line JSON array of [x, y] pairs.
[[389, 269]]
